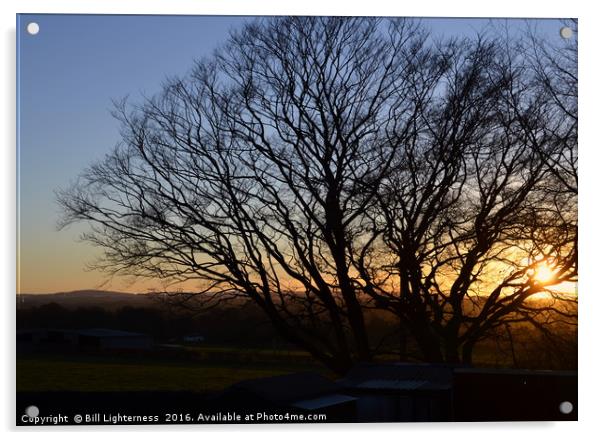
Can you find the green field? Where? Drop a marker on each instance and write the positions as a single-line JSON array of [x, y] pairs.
[[209, 369], [127, 373]]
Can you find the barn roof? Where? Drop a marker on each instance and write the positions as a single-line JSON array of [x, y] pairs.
[[98, 332], [107, 333], [323, 401], [513, 372], [287, 388], [399, 377]]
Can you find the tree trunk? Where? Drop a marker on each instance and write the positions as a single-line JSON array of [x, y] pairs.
[[428, 343], [467, 350], [403, 342], [452, 355]]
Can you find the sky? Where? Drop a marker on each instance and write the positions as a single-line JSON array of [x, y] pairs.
[[67, 76]]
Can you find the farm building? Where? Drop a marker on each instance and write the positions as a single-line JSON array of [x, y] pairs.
[[193, 339], [485, 394], [86, 339], [32, 339], [101, 338], [401, 392], [431, 392], [297, 393]]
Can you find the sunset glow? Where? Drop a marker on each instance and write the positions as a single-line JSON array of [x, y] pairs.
[[544, 273]]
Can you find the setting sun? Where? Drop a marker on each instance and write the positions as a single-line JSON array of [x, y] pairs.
[[544, 273]]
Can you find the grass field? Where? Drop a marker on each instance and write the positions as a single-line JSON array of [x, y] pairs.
[[73, 372], [205, 368]]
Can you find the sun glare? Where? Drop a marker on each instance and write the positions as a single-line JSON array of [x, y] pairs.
[[544, 273]]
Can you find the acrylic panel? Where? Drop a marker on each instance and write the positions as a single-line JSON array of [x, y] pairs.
[[292, 219]]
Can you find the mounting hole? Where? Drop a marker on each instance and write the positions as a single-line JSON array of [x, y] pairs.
[[33, 28], [566, 32], [32, 411], [566, 407]]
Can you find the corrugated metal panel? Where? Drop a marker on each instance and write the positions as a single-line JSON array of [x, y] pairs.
[[378, 384], [323, 401]]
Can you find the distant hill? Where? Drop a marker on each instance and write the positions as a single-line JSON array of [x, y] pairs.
[[115, 300], [86, 298]]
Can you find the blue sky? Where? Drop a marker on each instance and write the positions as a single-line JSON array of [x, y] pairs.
[[67, 76]]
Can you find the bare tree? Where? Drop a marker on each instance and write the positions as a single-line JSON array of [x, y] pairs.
[[483, 198], [323, 167]]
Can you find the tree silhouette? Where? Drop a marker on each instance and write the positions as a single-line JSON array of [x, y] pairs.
[[324, 167]]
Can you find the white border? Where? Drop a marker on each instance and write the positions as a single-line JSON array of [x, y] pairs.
[[590, 213]]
